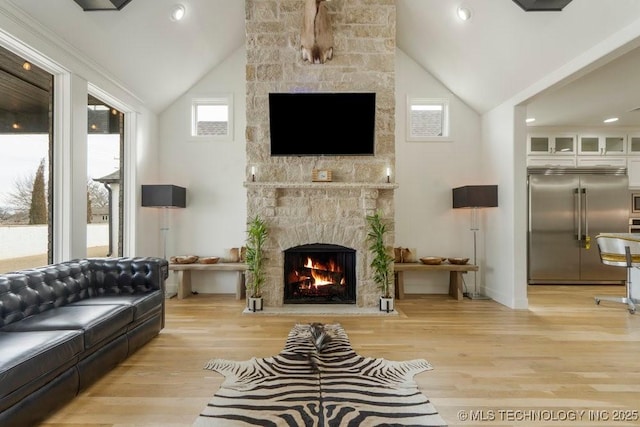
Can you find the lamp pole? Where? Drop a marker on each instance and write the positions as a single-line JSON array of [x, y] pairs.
[[165, 229], [475, 226]]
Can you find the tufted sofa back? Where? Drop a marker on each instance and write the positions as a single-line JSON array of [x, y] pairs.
[[28, 292], [117, 276]]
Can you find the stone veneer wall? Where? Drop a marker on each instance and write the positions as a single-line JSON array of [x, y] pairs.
[[296, 210]]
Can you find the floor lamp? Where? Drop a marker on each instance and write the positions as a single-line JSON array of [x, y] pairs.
[[475, 197], [166, 197]]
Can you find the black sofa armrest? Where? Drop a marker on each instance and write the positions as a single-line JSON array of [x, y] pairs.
[[128, 276]]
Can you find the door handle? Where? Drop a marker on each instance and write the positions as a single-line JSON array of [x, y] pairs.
[[586, 212], [578, 198], [585, 215]]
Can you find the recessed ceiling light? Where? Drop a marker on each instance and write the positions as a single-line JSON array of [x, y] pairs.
[[26, 66], [177, 12], [530, 120], [611, 120], [464, 13]]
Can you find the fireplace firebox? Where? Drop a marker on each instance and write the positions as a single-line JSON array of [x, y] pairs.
[[320, 274]]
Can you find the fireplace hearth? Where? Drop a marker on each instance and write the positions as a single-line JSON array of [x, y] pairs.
[[319, 274]]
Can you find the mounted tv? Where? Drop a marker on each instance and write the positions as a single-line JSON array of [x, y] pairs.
[[322, 124]]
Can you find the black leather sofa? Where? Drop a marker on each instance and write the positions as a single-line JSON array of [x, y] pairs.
[[64, 325]]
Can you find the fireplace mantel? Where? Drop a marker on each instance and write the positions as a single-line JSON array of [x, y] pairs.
[[324, 185]]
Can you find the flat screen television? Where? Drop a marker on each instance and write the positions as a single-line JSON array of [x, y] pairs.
[[322, 124]]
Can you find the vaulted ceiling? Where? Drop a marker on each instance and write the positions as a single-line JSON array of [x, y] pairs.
[[501, 51]]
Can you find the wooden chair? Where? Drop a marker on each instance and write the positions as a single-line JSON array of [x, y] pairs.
[[621, 250]]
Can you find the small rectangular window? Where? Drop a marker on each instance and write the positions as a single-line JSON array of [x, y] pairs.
[[212, 118], [427, 119]]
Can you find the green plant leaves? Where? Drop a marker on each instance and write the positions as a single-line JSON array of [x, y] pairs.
[[382, 260], [257, 234]]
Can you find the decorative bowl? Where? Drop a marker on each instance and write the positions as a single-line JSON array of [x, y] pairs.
[[209, 260], [431, 260], [184, 259], [458, 261]]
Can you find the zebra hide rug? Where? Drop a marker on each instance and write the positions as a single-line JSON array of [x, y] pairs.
[[318, 380]]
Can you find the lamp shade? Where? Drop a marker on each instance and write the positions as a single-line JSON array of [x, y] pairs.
[[475, 196], [164, 196]]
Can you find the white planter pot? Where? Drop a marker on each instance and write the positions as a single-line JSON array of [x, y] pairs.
[[386, 304], [254, 304]]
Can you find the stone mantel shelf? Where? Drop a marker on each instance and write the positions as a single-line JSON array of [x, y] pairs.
[[324, 185]]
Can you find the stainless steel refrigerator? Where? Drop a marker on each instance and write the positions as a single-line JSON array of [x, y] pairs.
[[568, 208]]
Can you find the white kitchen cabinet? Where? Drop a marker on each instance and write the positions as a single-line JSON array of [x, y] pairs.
[[633, 140], [602, 145], [554, 144], [600, 161], [600, 148], [550, 161], [633, 171], [634, 288]]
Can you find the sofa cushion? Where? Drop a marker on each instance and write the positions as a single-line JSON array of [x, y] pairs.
[[27, 356], [142, 303], [97, 321]]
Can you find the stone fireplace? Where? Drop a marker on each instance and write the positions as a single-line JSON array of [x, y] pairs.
[[297, 211]]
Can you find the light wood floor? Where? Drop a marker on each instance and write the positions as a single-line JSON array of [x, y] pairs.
[[561, 356]]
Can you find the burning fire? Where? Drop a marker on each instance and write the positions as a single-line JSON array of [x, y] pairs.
[[325, 274]]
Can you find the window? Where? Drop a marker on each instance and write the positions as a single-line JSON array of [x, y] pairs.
[[26, 153], [212, 118], [105, 198], [427, 119]]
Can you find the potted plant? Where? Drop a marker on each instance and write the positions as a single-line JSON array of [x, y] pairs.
[[256, 237], [381, 261]]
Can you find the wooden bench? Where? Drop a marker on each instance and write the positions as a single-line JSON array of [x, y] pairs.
[[184, 275], [455, 276]]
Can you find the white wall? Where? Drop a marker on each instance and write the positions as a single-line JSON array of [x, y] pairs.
[[146, 157], [427, 172], [213, 172], [26, 240], [504, 162]]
